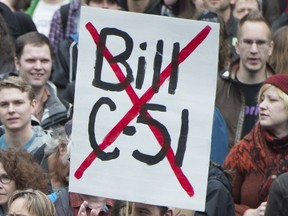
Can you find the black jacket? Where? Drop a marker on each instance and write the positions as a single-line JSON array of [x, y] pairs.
[[17, 22], [219, 201]]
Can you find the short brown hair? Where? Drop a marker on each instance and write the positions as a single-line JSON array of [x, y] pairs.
[[253, 16], [34, 38]]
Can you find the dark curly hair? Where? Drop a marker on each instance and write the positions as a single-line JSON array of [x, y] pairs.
[[24, 170]]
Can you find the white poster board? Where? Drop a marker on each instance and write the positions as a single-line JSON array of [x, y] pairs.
[[147, 117]]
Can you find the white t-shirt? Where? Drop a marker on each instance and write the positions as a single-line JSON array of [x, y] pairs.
[[43, 14]]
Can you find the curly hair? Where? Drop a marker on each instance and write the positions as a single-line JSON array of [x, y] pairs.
[[24, 170]]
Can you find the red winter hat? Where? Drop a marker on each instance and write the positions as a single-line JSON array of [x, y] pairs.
[[279, 80]]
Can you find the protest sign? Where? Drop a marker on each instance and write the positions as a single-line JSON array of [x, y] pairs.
[[144, 103]]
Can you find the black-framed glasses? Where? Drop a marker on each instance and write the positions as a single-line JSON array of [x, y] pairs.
[[5, 179]]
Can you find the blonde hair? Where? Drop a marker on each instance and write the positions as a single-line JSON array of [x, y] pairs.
[[279, 92], [18, 83], [36, 202]]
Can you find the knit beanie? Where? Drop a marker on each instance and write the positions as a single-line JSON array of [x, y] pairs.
[[279, 80]]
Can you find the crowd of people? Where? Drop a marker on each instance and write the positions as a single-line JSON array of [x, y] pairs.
[[249, 149]]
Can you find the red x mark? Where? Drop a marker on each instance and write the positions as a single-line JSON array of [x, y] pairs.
[[138, 102]]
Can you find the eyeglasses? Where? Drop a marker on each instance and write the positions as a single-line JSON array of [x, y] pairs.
[[261, 44], [5, 179]]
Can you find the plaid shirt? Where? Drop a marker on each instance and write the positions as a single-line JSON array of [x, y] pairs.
[[57, 34]]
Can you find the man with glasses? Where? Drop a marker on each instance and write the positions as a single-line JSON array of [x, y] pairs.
[[237, 88], [18, 171]]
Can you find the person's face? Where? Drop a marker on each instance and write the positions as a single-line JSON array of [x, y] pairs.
[[217, 5], [59, 165], [243, 7], [254, 46], [107, 4], [15, 109], [35, 65], [18, 207], [6, 189], [141, 209], [273, 114]]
